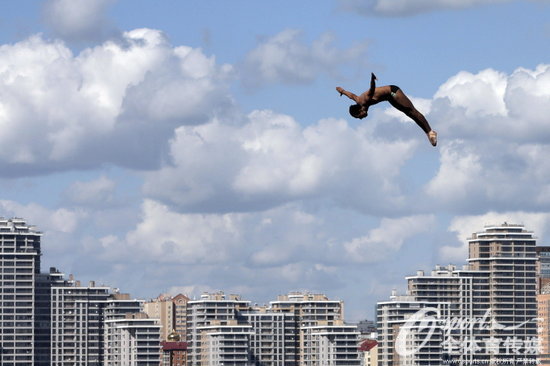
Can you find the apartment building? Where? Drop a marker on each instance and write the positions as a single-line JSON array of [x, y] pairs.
[[274, 337], [162, 308], [294, 328], [507, 252], [543, 302], [180, 318], [19, 267], [399, 331], [334, 345], [544, 328], [133, 340], [130, 336], [309, 310], [171, 311], [495, 292], [209, 320], [47, 319], [77, 323], [543, 268], [43, 312], [97, 325]]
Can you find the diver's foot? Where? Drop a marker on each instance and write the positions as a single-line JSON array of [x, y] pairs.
[[432, 136]]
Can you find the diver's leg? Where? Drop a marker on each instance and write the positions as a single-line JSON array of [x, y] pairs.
[[401, 102]]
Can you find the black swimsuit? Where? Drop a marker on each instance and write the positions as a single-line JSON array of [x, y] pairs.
[[394, 89]]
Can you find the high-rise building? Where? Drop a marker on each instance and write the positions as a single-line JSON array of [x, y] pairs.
[[507, 252], [543, 302], [212, 319], [544, 328], [310, 310], [133, 339], [162, 308], [19, 268], [180, 319], [96, 325], [394, 326], [543, 268], [171, 311], [43, 310], [296, 329], [335, 345], [495, 293], [77, 323], [273, 340]]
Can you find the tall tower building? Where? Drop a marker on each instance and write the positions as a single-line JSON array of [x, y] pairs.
[[131, 338], [296, 329], [543, 268], [543, 302], [321, 335], [94, 325], [162, 308], [544, 328], [19, 268], [171, 311], [213, 323], [77, 323], [273, 339], [507, 252], [424, 346], [495, 294], [180, 319]]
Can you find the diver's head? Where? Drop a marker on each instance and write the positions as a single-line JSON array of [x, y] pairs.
[[358, 111]]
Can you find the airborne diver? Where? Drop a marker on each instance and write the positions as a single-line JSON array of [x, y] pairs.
[[395, 97]]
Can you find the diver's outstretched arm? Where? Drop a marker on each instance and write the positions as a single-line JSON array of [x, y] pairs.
[[348, 94]]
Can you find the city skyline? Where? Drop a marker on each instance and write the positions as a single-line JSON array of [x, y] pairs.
[[189, 147], [497, 290]]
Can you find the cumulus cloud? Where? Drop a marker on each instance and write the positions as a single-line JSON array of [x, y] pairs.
[[495, 152], [118, 102], [408, 7], [286, 58], [465, 226], [271, 159], [380, 243], [287, 247], [185, 238], [79, 20], [213, 239], [56, 220], [96, 192]]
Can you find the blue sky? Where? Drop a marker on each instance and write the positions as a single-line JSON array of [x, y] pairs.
[[197, 146]]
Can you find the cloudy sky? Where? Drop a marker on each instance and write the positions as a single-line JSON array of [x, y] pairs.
[[166, 146]]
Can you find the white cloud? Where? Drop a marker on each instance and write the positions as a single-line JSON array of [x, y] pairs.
[[79, 20], [465, 226], [480, 94], [286, 58], [96, 192], [271, 159], [409, 7], [194, 238], [256, 254], [381, 243], [493, 155], [60, 220], [212, 239], [117, 102]]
